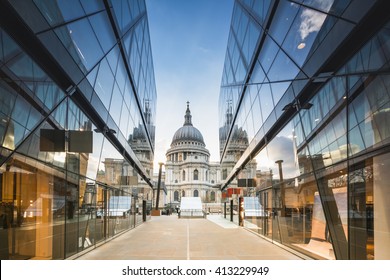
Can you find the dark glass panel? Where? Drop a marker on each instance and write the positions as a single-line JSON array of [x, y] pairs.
[[279, 90], [116, 104], [242, 29], [80, 40], [384, 41], [104, 33], [122, 14], [99, 107], [268, 53], [266, 100], [256, 111], [8, 48], [92, 6], [285, 14], [48, 93], [124, 119], [121, 76], [60, 11], [258, 75], [21, 66], [371, 111], [104, 83], [261, 8], [356, 143], [324, 6], [134, 8], [91, 77], [283, 68], [7, 99]]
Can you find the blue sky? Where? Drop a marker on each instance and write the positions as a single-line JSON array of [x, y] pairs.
[[189, 40]]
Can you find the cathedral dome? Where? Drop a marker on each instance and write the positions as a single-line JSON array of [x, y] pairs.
[[187, 132]]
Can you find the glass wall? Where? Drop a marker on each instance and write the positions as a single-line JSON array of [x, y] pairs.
[[319, 140], [328, 193], [73, 167]]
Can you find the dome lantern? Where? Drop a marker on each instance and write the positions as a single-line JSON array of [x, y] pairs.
[[188, 117], [187, 133]]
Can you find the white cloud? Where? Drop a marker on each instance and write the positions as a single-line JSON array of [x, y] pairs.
[[204, 50], [312, 20]]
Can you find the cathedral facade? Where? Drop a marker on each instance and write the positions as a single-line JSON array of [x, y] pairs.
[[188, 171]]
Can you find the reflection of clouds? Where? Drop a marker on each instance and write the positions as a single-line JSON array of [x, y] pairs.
[[93, 163], [281, 148], [312, 20], [204, 50]]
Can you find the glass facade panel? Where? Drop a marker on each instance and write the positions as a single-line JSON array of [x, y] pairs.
[[282, 68], [267, 56], [266, 100], [261, 8], [60, 11], [104, 83], [100, 24], [81, 41]]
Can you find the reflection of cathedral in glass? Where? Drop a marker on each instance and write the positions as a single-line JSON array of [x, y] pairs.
[[237, 145], [138, 140], [188, 171]]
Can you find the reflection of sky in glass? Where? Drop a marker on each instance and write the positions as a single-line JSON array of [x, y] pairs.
[[278, 89], [116, 104], [282, 68], [104, 83], [103, 31], [88, 36], [285, 49], [298, 27], [59, 11], [251, 40], [85, 43], [268, 53], [280, 148], [261, 9], [266, 101], [285, 15]]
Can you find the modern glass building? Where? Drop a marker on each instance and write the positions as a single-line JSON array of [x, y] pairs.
[[309, 83], [77, 114]]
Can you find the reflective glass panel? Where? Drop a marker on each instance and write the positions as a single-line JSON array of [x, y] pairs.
[[80, 40]]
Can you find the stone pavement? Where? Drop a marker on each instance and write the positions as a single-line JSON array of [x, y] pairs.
[[170, 238]]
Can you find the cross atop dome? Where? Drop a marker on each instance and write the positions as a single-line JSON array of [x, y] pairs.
[[187, 117]]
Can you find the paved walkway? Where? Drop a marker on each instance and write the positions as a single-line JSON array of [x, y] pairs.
[[170, 238]]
